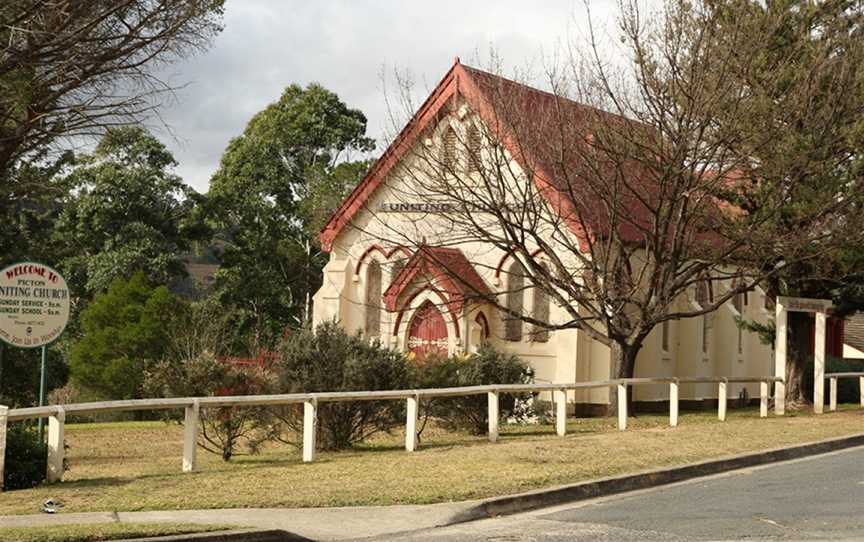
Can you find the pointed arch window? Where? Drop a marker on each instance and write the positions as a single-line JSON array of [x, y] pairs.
[[541, 313], [481, 321], [739, 300], [515, 301], [373, 299], [395, 268], [664, 336], [704, 297]]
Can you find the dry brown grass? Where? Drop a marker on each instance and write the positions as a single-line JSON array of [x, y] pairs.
[[136, 466], [94, 532]]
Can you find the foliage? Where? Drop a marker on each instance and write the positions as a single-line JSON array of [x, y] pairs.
[[471, 413], [20, 372], [203, 375], [725, 148], [805, 94], [123, 329], [329, 359], [73, 72], [31, 199], [26, 457], [128, 212], [847, 388], [289, 168]]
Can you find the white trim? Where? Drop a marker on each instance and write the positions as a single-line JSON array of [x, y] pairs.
[[408, 315]]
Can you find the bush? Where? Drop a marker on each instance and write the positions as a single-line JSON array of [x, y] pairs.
[[329, 359], [847, 388], [487, 366], [222, 429], [123, 329], [26, 457]]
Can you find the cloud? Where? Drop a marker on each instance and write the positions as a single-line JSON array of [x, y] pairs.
[[268, 45]]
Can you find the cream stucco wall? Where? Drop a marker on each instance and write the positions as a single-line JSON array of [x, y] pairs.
[[568, 355]]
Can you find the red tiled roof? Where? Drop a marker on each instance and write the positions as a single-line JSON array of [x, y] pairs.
[[558, 173], [450, 272]]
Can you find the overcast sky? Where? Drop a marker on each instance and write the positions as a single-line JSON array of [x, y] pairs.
[[269, 44]]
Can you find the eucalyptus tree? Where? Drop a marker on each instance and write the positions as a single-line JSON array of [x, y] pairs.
[[293, 163]]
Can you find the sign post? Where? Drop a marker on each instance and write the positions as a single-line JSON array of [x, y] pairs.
[[34, 311]]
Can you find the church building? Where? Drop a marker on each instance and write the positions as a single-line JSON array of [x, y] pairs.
[[402, 273]]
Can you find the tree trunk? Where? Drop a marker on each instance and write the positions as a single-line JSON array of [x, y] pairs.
[[623, 361], [797, 347]]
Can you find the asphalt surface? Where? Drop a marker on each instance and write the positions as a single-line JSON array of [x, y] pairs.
[[816, 498]]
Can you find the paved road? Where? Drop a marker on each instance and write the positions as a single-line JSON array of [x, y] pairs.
[[818, 498]]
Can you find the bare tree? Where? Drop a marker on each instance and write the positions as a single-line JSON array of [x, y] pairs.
[[636, 196], [74, 67]]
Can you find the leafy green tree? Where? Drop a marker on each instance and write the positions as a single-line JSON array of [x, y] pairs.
[[123, 330], [801, 129], [290, 167], [129, 211]]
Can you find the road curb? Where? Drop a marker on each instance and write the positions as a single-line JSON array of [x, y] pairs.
[[236, 535], [532, 500]]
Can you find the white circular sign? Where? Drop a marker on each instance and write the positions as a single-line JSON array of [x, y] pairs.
[[34, 305]]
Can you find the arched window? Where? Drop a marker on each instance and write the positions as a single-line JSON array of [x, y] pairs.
[[448, 150], [704, 295], [373, 299], [515, 301], [739, 300], [395, 268], [664, 336], [541, 313], [481, 321]]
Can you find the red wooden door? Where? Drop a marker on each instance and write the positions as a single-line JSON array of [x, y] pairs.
[[427, 333]]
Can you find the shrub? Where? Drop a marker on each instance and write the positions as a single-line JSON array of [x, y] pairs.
[[26, 457], [487, 366], [222, 429], [847, 388], [123, 329], [329, 359]]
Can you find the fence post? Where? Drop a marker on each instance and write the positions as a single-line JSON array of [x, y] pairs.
[[310, 423], [190, 437], [673, 403], [56, 445], [492, 399], [622, 407], [412, 410], [560, 412], [4, 420], [763, 397], [721, 401], [861, 389], [833, 406]]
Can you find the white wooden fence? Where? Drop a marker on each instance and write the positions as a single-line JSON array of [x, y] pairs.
[[832, 393], [56, 414]]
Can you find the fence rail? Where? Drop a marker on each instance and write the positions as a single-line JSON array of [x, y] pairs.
[[832, 378], [57, 414]]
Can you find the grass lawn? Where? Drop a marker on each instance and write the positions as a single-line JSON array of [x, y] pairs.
[[99, 531], [136, 466]]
